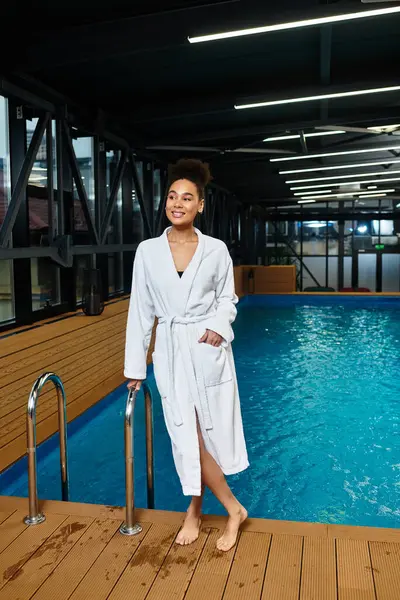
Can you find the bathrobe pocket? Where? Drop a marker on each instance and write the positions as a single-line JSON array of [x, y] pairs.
[[215, 365]]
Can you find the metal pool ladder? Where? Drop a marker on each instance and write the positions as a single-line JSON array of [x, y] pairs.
[[130, 527], [35, 517]]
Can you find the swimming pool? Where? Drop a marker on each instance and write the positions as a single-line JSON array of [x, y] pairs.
[[320, 385]]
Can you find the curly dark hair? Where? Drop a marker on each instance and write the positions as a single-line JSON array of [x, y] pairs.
[[193, 170]]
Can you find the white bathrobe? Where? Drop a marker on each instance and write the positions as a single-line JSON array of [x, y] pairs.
[[191, 377]]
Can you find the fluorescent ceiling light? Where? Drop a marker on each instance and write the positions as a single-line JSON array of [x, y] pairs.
[[355, 193], [341, 153], [313, 192], [305, 201], [373, 196], [393, 88], [343, 176], [311, 187], [372, 187], [384, 128], [364, 14], [389, 161], [280, 138]]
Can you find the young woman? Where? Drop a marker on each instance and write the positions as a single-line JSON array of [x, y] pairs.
[[185, 279]]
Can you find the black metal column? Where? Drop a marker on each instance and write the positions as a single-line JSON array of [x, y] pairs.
[[341, 255]]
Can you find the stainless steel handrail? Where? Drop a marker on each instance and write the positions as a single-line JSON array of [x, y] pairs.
[[130, 527], [35, 517]]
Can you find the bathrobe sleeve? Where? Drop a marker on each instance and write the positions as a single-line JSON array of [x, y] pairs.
[[140, 321], [226, 300]]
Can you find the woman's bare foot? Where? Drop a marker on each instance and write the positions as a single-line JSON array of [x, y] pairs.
[[229, 537], [190, 530]]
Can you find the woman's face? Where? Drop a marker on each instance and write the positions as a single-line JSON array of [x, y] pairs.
[[183, 203]]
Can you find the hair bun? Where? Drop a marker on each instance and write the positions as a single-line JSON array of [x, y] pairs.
[[192, 169]]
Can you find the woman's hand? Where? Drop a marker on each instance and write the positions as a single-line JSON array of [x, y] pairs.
[[212, 338], [135, 384]]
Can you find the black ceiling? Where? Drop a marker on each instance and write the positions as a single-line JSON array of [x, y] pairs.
[[133, 61]]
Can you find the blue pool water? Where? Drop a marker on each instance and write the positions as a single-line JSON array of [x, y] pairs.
[[319, 379]]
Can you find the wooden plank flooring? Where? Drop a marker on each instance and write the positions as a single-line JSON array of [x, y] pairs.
[[86, 352], [79, 554]]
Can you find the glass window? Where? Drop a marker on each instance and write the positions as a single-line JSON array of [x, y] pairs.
[[137, 221], [367, 271], [347, 271], [5, 183], [45, 274], [157, 191], [332, 232], [115, 260], [390, 272], [317, 266], [45, 277], [83, 147], [333, 263], [82, 262], [314, 237], [7, 311], [348, 237]]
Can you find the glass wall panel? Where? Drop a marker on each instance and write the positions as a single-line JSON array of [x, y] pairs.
[[7, 311], [83, 147], [347, 270], [5, 184], [137, 221], [45, 277], [115, 260], [317, 266], [333, 264], [367, 271], [390, 272], [45, 274], [157, 191], [82, 262]]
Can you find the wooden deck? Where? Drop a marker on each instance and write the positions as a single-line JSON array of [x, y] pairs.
[[79, 554], [86, 352]]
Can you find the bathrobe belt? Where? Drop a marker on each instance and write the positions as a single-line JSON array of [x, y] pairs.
[[180, 326]]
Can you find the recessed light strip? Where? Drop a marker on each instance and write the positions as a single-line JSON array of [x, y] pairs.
[[339, 183], [373, 174], [280, 138], [341, 153], [305, 201], [363, 192], [389, 161], [365, 14], [393, 88]]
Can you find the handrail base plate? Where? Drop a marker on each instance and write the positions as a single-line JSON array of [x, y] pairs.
[[35, 520], [126, 530]]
